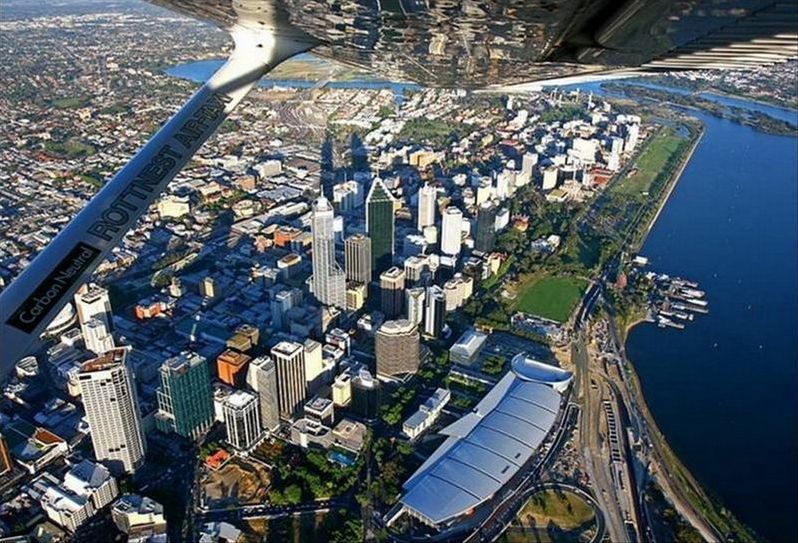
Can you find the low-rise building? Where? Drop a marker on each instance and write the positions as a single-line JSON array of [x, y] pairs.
[[427, 413], [466, 349], [139, 517]]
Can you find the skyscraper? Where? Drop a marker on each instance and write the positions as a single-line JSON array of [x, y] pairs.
[[366, 395], [97, 337], [392, 286], [314, 364], [185, 397], [262, 378], [427, 196], [92, 301], [452, 235], [486, 232], [241, 419], [380, 225], [281, 303], [112, 409], [357, 258], [329, 280], [397, 348], [414, 303], [436, 311], [292, 386]]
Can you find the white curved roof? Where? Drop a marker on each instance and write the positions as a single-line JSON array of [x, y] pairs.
[[484, 449], [530, 369]]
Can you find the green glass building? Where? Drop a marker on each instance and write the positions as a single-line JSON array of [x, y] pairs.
[[185, 397], [380, 226]]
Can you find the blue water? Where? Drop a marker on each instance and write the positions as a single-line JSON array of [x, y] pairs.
[[784, 114], [723, 390], [200, 71]]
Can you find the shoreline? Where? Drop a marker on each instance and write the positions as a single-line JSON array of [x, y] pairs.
[[670, 462], [744, 98], [671, 186], [673, 477]]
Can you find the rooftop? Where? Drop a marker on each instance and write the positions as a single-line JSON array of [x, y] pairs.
[[483, 450]]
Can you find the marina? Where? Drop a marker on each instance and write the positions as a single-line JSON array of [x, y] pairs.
[[674, 301]]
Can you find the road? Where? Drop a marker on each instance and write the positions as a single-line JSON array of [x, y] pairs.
[[594, 453], [654, 445]]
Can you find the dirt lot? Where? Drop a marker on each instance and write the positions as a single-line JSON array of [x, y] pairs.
[[237, 483]]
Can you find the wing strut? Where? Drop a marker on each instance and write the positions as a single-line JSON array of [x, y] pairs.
[[34, 298]]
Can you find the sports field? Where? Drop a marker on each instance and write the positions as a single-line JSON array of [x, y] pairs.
[[551, 297]]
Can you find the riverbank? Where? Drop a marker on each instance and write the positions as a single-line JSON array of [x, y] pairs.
[[685, 99], [672, 185], [673, 476]]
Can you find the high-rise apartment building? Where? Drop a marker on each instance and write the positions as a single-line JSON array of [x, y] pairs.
[[392, 287], [355, 295], [112, 409], [185, 397], [415, 268], [281, 303], [262, 378], [452, 235], [329, 280], [380, 225], [357, 258], [292, 385], [314, 364], [397, 348], [427, 203]]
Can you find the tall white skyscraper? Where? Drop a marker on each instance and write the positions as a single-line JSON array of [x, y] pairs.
[[112, 408], [96, 336], [451, 237], [427, 197], [242, 419], [292, 385], [329, 280], [262, 378], [92, 301]]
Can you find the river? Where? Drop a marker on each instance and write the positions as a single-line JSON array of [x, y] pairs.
[[723, 391], [201, 70]]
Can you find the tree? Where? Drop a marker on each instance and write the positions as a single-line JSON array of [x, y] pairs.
[[293, 494]]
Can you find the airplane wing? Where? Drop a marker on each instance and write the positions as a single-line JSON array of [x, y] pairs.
[[473, 44]]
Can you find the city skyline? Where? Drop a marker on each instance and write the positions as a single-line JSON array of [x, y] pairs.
[[437, 307]]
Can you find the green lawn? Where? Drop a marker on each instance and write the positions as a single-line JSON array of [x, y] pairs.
[[550, 517], [649, 164], [567, 510], [551, 297]]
